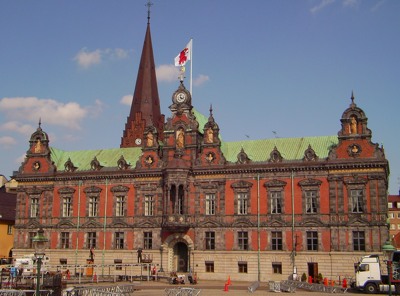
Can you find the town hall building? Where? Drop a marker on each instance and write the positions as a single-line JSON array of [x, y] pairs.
[[177, 195]]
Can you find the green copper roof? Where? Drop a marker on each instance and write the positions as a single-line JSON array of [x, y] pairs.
[[107, 157], [256, 150], [289, 148]]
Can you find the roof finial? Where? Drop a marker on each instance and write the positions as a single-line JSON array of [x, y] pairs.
[[211, 109], [352, 105], [149, 4], [40, 122]]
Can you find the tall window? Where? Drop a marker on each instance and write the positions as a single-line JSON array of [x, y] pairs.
[[311, 194], [149, 205], [210, 240], [356, 200], [148, 240], [276, 240], [312, 240], [120, 206], [243, 240], [67, 207], [276, 202], [9, 229], [30, 240], [93, 206], [119, 240], [242, 267], [91, 240], [359, 240], [64, 240], [210, 204], [242, 200], [34, 207], [311, 201]]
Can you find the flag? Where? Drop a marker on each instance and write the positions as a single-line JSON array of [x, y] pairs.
[[184, 55]]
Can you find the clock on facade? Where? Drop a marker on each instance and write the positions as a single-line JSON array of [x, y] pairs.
[[138, 141], [181, 97]]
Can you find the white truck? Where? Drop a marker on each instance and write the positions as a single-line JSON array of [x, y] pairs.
[[373, 277], [29, 265]]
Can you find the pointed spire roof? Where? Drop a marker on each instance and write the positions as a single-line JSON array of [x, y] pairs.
[[145, 108]]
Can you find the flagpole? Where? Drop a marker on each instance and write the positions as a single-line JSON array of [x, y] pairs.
[[191, 67]]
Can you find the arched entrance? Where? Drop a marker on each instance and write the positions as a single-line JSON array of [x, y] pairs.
[[181, 257]]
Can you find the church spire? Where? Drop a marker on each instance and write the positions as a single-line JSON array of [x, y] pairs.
[[145, 108]]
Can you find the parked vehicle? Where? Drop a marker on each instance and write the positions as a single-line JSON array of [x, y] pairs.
[[373, 277]]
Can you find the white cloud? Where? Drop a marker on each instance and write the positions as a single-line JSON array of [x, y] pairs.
[[86, 59], [15, 126], [48, 110], [7, 141], [126, 100], [199, 80], [96, 109], [168, 73], [378, 5], [321, 5]]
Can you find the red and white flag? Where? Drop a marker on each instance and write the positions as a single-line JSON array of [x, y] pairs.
[[184, 55]]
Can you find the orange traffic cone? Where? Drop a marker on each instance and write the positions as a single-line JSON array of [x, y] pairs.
[[229, 280], [226, 287]]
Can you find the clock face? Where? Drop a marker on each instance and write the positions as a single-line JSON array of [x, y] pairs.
[[181, 97], [138, 141]]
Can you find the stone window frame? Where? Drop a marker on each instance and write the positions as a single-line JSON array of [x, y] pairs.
[[276, 267], [120, 192], [311, 244], [243, 240], [307, 186], [209, 266], [91, 240], [275, 186], [149, 205], [147, 240], [239, 188], [31, 235], [359, 241], [64, 193], [209, 240], [92, 192], [210, 203], [34, 206], [119, 241], [65, 240], [359, 185], [276, 240]]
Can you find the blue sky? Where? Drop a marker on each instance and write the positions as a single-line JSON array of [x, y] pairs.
[[268, 67]]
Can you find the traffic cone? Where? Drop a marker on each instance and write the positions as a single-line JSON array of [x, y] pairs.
[[344, 284], [229, 280], [325, 282], [226, 287]]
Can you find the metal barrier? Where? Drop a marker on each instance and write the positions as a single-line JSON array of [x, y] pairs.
[[25, 292], [182, 292], [119, 290], [253, 287], [313, 287]]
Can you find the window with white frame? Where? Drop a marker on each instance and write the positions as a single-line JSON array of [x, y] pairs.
[[210, 240], [93, 206], [359, 240], [67, 206], [210, 204], [276, 202], [120, 205], [64, 240], [34, 207], [119, 240], [149, 205], [242, 201], [311, 192], [91, 240], [356, 200], [243, 240], [242, 197]]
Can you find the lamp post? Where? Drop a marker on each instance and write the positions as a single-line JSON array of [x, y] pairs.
[[39, 242], [161, 253]]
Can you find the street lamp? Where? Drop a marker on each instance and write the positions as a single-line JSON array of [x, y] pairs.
[[387, 250], [161, 253], [39, 242]]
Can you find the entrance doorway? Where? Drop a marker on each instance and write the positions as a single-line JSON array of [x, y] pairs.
[[313, 271], [181, 257]]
